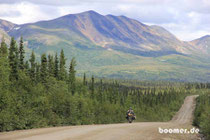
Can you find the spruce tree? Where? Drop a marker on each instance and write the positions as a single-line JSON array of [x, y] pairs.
[[43, 69], [21, 54], [32, 64], [56, 69], [13, 60], [62, 71], [92, 88], [72, 76], [51, 65], [84, 80]]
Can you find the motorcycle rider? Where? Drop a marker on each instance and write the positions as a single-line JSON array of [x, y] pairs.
[[130, 111]]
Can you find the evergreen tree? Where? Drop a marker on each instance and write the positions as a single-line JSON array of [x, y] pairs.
[[92, 88], [56, 69], [51, 65], [32, 63], [84, 80], [62, 71], [72, 76], [43, 69], [13, 60], [21, 54]]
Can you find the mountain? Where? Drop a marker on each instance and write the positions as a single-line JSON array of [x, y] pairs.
[[111, 32], [115, 46], [6, 25], [203, 44]]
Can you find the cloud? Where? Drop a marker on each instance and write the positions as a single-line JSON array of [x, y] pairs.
[[9, 13], [181, 17], [25, 12]]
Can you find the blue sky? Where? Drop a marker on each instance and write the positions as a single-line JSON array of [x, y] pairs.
[[187, 19]]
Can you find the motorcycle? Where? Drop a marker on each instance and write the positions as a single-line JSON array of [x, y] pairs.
[[131, 117]]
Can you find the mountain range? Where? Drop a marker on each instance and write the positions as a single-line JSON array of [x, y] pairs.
[[116, 47]]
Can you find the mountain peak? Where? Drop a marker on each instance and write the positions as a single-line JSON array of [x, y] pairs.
[[206, 36], [90, 12], [86, 13], [202, 38]]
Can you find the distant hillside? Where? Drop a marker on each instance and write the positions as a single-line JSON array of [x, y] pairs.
[[203, 44], [115, 46]]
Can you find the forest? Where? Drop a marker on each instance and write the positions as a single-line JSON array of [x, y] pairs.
[[45, 93], [202, 114]]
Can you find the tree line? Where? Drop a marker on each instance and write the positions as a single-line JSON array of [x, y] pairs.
[[45, 93]]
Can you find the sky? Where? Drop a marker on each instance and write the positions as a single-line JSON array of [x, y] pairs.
[[186, 19]]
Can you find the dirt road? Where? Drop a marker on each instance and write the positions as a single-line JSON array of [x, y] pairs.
[[125, 131]]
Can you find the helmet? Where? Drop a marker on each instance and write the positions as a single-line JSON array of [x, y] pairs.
[[130, 108]]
